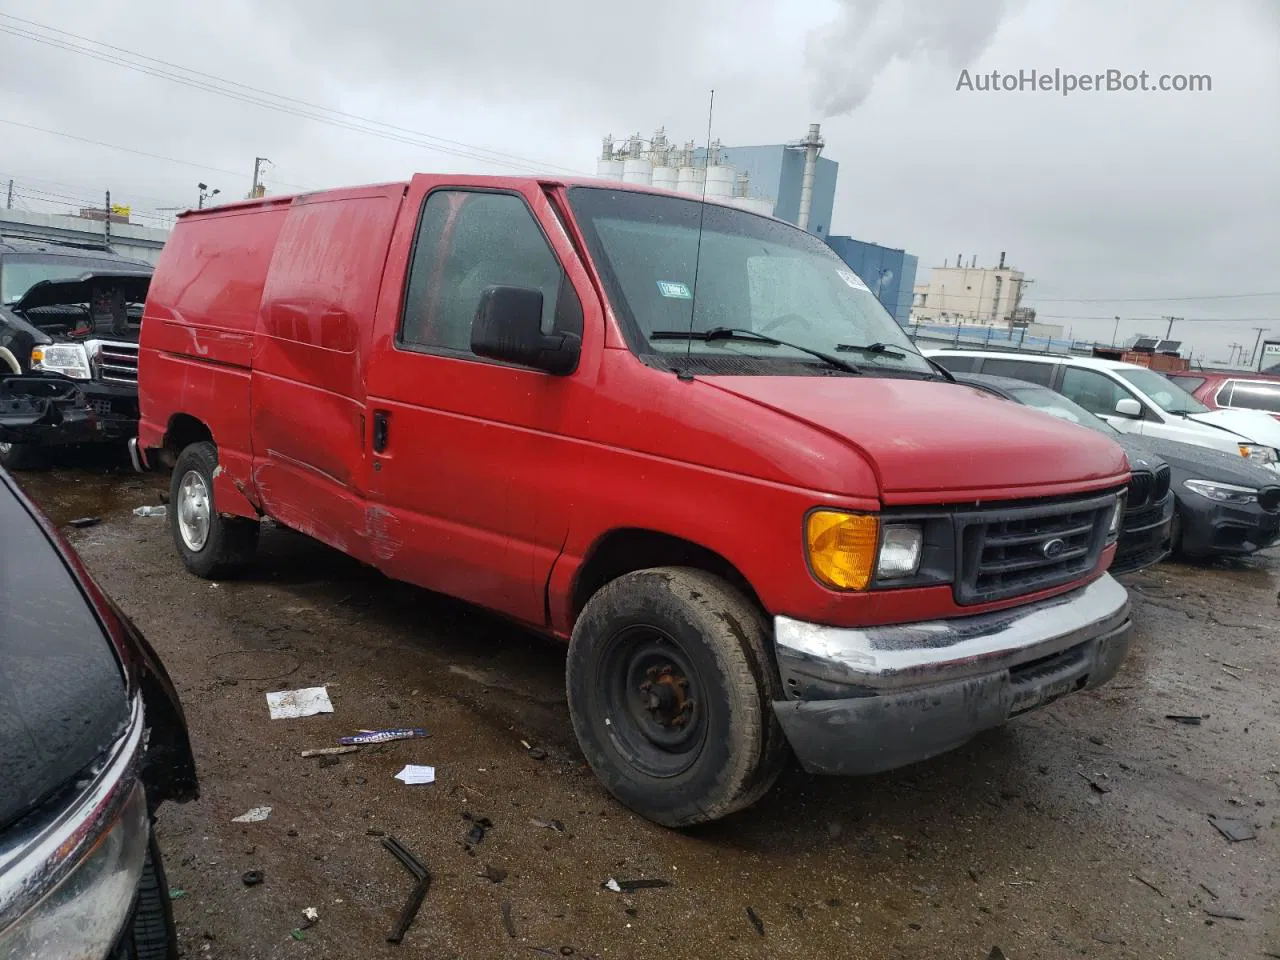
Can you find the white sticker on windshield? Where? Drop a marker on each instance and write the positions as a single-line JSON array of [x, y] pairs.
[[852, 279], [677, 291]]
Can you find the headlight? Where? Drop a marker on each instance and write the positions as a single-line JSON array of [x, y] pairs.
[[68, 359], [84, 914], [842, 547], [1258, 453], [900, 551], [1113, 529], [1222, 492]]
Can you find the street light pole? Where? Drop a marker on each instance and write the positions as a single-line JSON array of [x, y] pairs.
[[1254, 359]]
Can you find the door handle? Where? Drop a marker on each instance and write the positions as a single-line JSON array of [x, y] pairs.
[[380, 424]]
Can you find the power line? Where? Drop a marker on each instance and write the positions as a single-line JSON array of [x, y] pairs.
[[254, 95]]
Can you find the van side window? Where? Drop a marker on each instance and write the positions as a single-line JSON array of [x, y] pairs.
[[1094, 391], [470, 241], [1254, 396], [1029, 370], [957, 364]]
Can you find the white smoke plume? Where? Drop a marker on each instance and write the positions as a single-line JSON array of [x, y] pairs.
[[846, 55]]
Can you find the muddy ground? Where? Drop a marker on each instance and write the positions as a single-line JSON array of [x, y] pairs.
[[1081, 830]]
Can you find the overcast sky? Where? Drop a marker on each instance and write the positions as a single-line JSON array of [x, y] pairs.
[[1104, 196]]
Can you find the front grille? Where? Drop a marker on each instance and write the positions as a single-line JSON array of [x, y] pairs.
[[101, 407], [1019, 550], [1141, 485], [117, 362], [1162, 484]]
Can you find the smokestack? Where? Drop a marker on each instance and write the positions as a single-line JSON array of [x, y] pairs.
[[959, 259], [1001, 259], [812, 144]]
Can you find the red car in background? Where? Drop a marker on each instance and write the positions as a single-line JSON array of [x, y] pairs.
[[1231, 390]]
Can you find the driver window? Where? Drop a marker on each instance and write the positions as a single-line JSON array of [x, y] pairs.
[[1094, 391]]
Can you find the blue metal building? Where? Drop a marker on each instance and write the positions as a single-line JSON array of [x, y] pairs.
[[776, 171], [890, 273]]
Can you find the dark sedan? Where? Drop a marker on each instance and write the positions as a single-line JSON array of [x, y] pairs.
[[92, 740], [1225, 505], [1147, 525]]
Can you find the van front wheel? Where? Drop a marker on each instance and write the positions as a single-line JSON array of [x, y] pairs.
[[671, 694], [211, 545]]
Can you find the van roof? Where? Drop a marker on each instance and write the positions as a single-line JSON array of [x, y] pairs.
[[463, 179], [1090, 363]]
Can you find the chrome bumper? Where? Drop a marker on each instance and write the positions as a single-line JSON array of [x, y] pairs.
[[138, 456], [862, 700]]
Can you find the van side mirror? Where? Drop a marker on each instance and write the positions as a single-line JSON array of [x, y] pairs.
[[1129, 407], [508, 326]]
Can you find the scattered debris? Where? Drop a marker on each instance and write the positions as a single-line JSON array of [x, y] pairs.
[[537, 753], [996, 954], [176, 893], [383, 736], [494, 874], [83, 522], [329, 751], [1097, 740], [292, 704], [478, 827], [1191, 720], [329, 761], [631, 886], [755, 921], [416, 895], [374, 832], [1106, 938], [1233, 830], [555, 825], [506, 919], [1222, 914], [1232, 674], [149, 511], [312, 916], [297, 933], [612, 884], [414, 774], [253, 815], [252, 878], [1209, 891], [1148, 883]]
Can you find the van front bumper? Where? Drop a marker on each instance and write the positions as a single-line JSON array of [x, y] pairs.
[[862, 700]]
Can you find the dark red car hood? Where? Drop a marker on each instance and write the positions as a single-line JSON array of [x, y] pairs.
[[938, 442]]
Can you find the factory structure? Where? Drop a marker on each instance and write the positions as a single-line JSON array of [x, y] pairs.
[[969, 295], [791, 181]]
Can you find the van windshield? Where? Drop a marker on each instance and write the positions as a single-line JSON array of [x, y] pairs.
[[1164, 393], [752, 274]]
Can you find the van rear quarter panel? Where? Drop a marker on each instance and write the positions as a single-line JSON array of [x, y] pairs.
[[197, 335], [308, 382]]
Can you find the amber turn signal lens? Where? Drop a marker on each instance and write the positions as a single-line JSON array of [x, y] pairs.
[[842, 548]]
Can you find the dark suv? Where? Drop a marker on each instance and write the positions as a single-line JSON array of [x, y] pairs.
[[69, 321], [92, 740]]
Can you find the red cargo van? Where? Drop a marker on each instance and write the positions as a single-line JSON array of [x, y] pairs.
[[683, 437]]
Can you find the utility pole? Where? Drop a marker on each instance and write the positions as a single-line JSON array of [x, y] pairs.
[[258, 189], [1254, 359], [9, 203], [1115, 331], [107, 223], [1168, 334]]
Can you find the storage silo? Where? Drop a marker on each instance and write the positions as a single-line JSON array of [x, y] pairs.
[[690, 179], [608, 167], [667, 178], [637, 170], [721, 178]]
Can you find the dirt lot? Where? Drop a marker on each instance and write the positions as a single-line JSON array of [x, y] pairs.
[[1082, 830]]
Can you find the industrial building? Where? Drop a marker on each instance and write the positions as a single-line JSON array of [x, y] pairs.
[[969, 294], [785, 180], [90, 229], [890, 273]]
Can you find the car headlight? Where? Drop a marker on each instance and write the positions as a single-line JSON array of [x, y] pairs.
[[1113, 528], [1258, 453], [845, 549], [68, 359], [1222, 492], [900, 550], [83, 915]]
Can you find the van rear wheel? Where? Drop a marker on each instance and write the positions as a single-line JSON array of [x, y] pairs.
[[671, 694], [211, 545]]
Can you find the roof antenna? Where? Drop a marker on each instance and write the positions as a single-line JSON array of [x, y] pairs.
[[697, 256]]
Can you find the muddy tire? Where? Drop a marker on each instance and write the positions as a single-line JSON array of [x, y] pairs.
[[22, 456], [671, 692], [151, 934], [211, 545]]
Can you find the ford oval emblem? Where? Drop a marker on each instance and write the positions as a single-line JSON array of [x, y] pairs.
[[1053, 549]]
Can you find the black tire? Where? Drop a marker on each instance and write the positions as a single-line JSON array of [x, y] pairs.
[[23, 456], [151, 934], [658, 645], [230, 542]]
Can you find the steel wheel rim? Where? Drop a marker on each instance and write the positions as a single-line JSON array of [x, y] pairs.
[[5, 448], [194, 509], [652, 695]]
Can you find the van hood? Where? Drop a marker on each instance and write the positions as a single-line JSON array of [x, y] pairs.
[[939, 442], [1253, 425]]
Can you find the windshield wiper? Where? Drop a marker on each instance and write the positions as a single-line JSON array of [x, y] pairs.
[[741, 333], [870, 349]]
